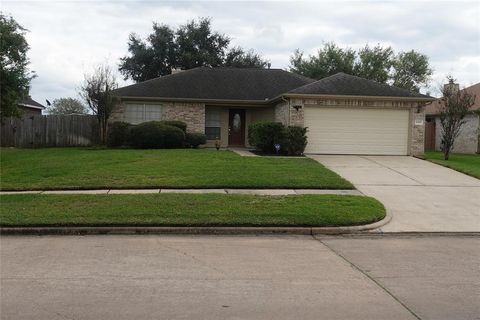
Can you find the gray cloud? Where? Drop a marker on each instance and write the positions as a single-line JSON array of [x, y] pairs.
[[67, 38]]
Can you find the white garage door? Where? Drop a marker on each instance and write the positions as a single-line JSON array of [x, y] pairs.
[[339, 130]]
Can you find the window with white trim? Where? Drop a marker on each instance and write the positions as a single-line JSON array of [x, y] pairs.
[[212, 124], [136, 113]]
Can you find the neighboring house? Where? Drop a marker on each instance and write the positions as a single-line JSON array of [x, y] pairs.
[[30, 107], [344, 114], [468, 140]]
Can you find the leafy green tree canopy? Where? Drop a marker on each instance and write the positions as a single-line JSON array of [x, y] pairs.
[[408, 70], [67, 106], [15, 76], [191, 45]]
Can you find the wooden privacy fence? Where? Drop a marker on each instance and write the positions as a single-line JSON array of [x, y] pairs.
[[49, 131]]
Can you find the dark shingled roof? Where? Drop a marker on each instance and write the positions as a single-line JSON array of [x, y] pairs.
[[218, 83], [30, 102], [348, 85]]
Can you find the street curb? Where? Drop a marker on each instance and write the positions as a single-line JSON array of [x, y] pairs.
[[191, 230]]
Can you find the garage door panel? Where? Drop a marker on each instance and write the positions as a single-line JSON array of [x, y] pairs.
[[356, 131]]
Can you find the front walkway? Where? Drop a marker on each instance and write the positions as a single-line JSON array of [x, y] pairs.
[[420, 195], [258, 192]]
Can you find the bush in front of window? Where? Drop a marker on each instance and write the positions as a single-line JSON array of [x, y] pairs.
[[118, 134], [155, 134], [194, 139], [295, 140], [264, 135], [175, 123]]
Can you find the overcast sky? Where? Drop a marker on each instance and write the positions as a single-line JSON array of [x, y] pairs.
[[67, 38]]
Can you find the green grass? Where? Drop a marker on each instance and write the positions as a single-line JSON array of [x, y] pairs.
[[92, 168], [188, 210], [466, 163]]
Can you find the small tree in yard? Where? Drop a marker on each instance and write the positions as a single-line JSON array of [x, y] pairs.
[[454, 106], [97, 92]]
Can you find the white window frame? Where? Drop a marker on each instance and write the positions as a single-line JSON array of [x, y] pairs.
[[144, 115], [213, 123]]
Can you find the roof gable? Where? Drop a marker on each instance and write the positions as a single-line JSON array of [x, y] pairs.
[[30, 103], [347, 85], [249, 84]]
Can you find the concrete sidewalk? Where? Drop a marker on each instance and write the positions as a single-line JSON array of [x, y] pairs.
[[261, 192]]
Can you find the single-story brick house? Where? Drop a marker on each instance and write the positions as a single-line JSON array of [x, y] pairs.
[[468, 140], [30, 107], [344, 114]]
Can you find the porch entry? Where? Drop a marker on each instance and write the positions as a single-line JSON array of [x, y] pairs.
[[236, 127]]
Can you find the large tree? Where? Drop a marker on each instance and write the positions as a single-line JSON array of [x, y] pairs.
[[330, 59], [150, 58], [96, 90], [15, 76], [239, 58], [411, 70], [191, 45], [67, 106], [454, 106], [374, 63], [408, 70]]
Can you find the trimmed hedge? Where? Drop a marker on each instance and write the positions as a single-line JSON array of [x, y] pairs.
[[263, 135], [118, 134], [175, 123], [194, 139], [155, 134]]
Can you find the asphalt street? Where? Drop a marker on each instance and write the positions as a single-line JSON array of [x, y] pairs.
[[240, 277]]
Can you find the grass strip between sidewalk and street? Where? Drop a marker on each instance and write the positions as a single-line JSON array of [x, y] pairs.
[[465, 163], [188, 210]]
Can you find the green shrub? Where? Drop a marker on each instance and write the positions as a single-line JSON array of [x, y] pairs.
[[118, 134], [295, 140], [155, 134], [263, 136], [194, 139], [175, 123]]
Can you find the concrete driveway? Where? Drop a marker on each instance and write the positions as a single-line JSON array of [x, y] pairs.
[[421, 196]]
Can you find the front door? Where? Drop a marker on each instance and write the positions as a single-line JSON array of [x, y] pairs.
[[236, 127]]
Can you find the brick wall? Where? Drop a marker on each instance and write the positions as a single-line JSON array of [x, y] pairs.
[[468, 137], [193, 114], [417, 132]]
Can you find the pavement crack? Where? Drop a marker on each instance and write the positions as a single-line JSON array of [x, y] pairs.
[[353, 265]]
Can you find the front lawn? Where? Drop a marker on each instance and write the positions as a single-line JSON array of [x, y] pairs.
[[188, 210], [97, 168], [466, 163]]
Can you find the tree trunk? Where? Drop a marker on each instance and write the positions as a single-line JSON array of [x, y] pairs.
[[446, 154]]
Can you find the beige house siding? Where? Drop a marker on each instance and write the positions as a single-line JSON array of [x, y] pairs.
[[252, 115], [257, 114]]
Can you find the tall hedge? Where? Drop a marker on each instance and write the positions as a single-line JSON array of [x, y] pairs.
[[264, 135], [295, 140]]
